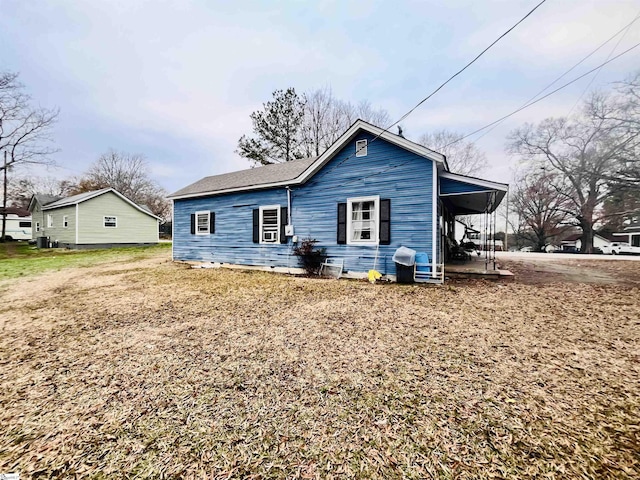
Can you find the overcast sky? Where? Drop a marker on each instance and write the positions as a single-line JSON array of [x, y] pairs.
[[177, 80]]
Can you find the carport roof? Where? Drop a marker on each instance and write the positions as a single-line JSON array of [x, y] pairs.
[[469, 195]]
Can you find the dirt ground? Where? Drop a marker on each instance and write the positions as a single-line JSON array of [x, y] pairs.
[[149, 368]]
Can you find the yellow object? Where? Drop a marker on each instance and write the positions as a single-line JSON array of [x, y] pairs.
[[374, 275]]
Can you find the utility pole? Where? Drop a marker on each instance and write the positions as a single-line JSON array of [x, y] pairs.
[[4, 200]]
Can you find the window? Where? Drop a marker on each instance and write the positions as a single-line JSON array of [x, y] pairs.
[[49, 220], [362, 220], [202, 223], [110, 222], [635, 240], [37, 226], [65, 221], [25, 224], [361, 148], [270, 224]]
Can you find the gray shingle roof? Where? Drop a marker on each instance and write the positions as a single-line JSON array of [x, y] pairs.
[[45, 199], [252, 177], [81, 197]]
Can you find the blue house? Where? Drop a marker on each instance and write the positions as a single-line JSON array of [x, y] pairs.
[[371, 192]]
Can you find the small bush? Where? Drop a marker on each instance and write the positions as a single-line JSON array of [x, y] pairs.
[[310, 258]]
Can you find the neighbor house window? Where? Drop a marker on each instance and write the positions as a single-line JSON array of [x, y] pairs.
[[361, 148], [49, 221], [110, 222], [363, 220], [270, 224], [65, 221], [37, 226], [202, 223]]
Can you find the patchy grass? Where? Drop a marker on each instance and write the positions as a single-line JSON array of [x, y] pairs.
[[20, 259], [141, 370]]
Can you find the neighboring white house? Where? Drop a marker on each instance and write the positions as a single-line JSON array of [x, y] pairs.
[[18, 223], [574, 242], [98, 219]]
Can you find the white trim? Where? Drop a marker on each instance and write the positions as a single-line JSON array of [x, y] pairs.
[[77, 222], [49, 220], [208, 214], [376, 217], [361, 151], [65, 221], [434, 217], [173, 226], [261, 233], [475, 181], [465, 193], [104, 221], [346, 137]]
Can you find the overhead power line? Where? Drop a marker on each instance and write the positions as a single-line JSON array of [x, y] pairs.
[[545, 96], [623, 29], [444, 83]]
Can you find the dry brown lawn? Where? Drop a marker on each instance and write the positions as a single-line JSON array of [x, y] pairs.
[[151, 369]]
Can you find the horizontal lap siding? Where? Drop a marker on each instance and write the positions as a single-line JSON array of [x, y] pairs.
[[133, 225], [406, 179], [58, 233], [314, 212], [232, 241]]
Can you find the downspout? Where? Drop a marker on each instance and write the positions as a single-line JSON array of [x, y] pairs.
[[288, 205]]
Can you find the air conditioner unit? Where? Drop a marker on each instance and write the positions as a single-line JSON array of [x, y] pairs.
[[269, 236]]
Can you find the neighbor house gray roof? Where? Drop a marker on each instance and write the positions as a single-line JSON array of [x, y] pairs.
[[45, 199], [251, 177], [83, 197], [72, 200]]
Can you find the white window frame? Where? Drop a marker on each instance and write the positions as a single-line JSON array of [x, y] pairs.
[[65, 221], [361, 148], [37, 226], [376, 218], [49, 220], [208, 215], [277, 238], [104, 221]]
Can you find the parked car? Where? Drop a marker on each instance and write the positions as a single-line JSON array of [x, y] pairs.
[[620, 248], [526, 249], [551, 248]]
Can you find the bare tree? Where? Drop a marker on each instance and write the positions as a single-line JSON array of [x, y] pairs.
[[21, 189], [462, 157], [594, 153], [542, 208], [24, 131], [128, 174]]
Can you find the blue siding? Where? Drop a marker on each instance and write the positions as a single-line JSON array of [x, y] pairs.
[[448, 185], [388, 171]]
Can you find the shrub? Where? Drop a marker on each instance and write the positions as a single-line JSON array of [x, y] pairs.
[[310, 258]]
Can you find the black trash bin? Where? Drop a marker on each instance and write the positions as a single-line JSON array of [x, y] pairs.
[[405, 260], [404, 273]]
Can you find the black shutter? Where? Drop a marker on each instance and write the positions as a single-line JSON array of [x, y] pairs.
[[193, 224], [212, 222], [256, 225], [284, 213], [342, 223], [385, 221]]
